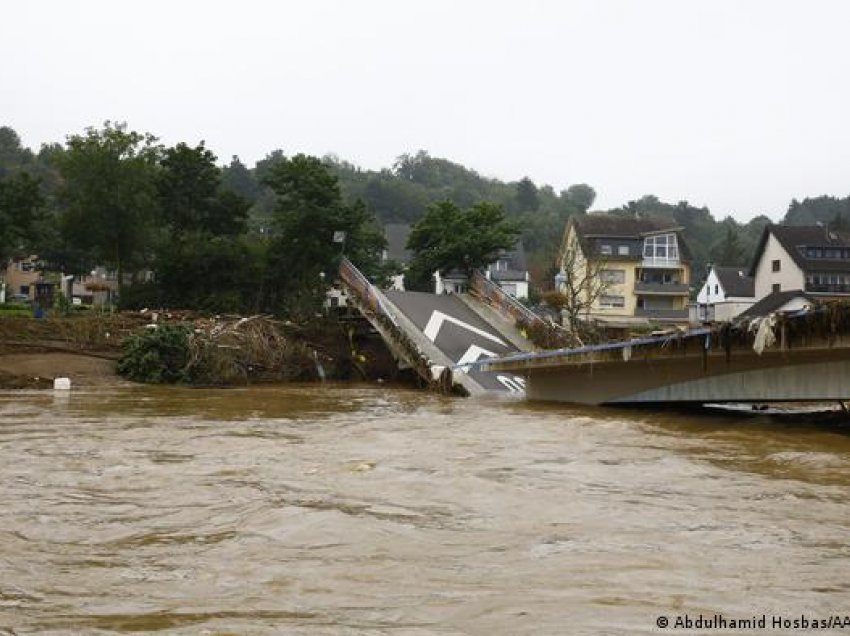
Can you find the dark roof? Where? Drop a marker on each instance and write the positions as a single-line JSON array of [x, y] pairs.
[[508, 275], [599, 224], [736, 282], [515, 258], [517, 267], [794, 237], [774, 301], [593, 230], [397, 234]]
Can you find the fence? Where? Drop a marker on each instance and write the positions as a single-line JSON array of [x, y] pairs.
[[363, 289], [508, 306], [370, 303]]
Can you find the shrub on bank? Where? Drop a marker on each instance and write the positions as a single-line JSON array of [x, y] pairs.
[[15, 309], [157, 356]]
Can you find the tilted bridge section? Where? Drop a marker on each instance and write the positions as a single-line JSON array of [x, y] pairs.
[[439, 336]]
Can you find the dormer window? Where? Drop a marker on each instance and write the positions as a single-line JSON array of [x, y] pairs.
[[605, 250], [661, 246]]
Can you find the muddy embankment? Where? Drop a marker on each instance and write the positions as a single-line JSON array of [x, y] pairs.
[[87, 348]]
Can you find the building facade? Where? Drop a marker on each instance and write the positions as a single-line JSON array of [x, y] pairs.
[[631, 271], [812, 259]]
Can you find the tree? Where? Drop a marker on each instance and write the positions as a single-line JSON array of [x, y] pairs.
[[526, 195], [110, 195], [201, 261], [580, 196], [21, 206], [580, 284], [237, 178], [309, 214], [13, 156], [191, 196], [730, 250], [448, 237]]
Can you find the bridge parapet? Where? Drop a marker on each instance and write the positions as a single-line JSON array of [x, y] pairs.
[[509, 307], [375, 308], [804, 356]]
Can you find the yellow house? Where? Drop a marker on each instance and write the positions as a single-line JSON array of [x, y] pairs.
[[623, 271]]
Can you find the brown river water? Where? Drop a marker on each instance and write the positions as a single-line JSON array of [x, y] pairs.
[[373, 510]]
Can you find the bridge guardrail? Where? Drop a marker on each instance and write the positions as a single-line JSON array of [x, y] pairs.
[[365, 291], [501, 301], [369, 301]]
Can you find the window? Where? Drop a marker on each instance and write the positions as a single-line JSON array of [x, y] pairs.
[[616, 276], [833, 280], [623, 250], [717, 289], [605, 250], [663, 246], [776, 287], [830, 253], [776, 265], [612, 301]]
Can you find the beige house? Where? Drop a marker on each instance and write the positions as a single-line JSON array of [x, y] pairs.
[[628, 271], [20, 277]]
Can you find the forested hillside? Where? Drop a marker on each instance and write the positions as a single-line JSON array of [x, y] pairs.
[[35, 208]]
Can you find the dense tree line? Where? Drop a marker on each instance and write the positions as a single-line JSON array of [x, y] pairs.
[[232, 237], [166, 220]]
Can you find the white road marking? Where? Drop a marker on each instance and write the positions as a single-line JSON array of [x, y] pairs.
[[473, 354], [435, 322]]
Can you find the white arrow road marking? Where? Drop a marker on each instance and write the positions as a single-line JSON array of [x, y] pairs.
[[435, 322], [472, 355]]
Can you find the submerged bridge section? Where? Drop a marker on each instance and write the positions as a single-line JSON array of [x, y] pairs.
[[439, 336], [802, 358]]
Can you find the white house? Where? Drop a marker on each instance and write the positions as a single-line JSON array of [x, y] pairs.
[[510, 272], [727, 292], [812, 258], [796, 266]]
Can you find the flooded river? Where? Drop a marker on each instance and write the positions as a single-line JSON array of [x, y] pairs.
[[362, 510]]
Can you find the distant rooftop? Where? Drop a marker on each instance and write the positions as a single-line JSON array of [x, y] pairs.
[[397, 235], [736, 282]]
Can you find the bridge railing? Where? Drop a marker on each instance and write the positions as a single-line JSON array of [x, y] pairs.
[[364, 290], [369, 300], [501, 301]]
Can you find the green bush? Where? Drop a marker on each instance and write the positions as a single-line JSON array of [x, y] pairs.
[[15, 309], [157, 356]]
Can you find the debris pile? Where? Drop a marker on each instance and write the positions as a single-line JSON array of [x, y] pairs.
[[240, 350]]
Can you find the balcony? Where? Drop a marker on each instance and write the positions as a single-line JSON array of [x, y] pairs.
[[827, 289], [663, 315], [662, 289], [662, 262]]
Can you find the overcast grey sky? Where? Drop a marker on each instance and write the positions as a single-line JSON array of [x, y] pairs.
[[737, 105]]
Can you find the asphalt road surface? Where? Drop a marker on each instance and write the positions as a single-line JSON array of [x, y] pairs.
[[458, 332]]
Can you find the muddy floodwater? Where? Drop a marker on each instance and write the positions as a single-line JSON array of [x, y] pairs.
[[371, 510]]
